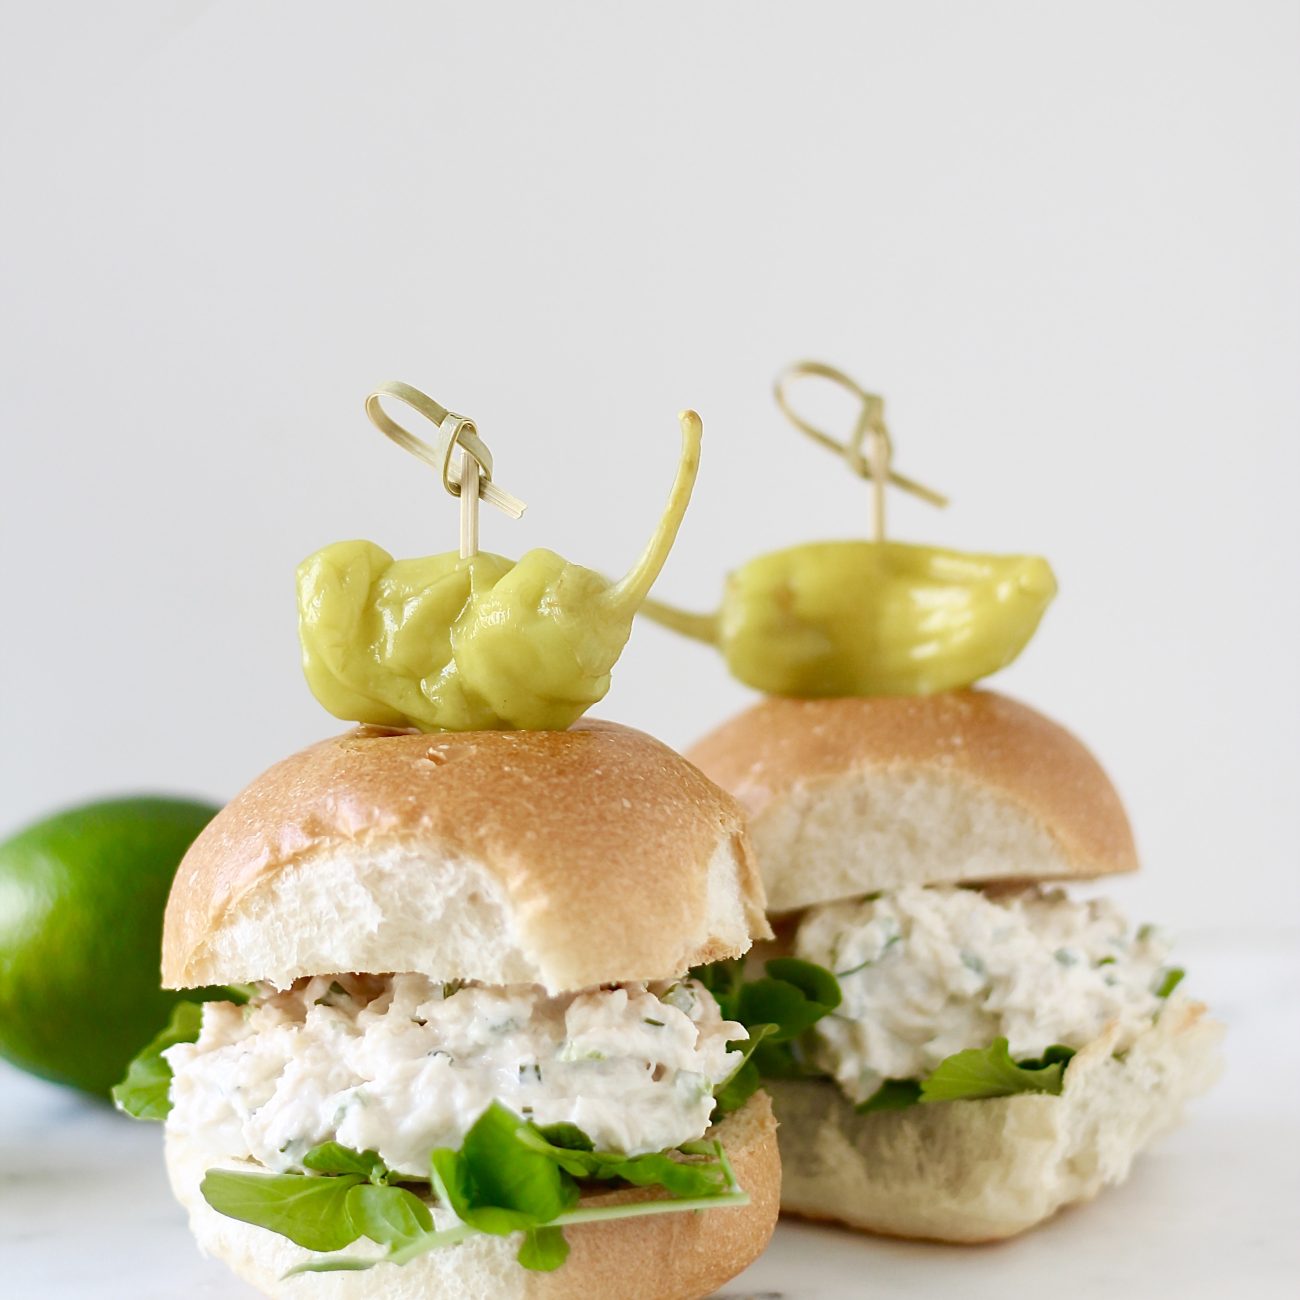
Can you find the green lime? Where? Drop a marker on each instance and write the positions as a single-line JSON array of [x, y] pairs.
[[81, 906]]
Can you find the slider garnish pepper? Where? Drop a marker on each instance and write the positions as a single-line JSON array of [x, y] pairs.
[[871, 618], [878, 617], [452, 643]]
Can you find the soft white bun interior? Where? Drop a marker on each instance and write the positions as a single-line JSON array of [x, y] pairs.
[[852, 796], [397, 907], [887, 829]]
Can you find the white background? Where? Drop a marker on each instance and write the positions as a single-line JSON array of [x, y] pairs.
[[1062, 239]]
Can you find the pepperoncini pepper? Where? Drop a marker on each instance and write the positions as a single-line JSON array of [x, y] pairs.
[[446, 643], [871, 618], [868, 618]]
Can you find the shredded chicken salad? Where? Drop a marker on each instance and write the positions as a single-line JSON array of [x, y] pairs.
[[926, 972], [402, 1065]]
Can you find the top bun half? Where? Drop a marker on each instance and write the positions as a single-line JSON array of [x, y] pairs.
[[850, 796], [565, 859]]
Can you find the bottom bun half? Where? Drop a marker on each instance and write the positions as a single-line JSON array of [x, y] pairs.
[[972, 1171], [659, 1257]]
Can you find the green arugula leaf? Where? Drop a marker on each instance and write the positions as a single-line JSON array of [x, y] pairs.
[[499, 1181], [990, 1072], [679, 1178], [723, 979], [980, 1072], [744, 1081], [544, 1249], [736, 1090], [816, 983], [145, 1093], [1170, 978], [505, 1177], [577, 1162], [792, 996], [568, 1136], [390, 1216], [1057, 1054], [311, 1211], [785, 1061], [510, 1174], [893, 1094], [334, 1158], [455, 1187], [780, 1002]]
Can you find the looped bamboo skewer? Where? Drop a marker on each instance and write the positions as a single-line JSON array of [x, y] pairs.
[[469, 477], [870, 432]]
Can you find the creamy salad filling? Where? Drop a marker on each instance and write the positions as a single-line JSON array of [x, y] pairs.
[[402, 1065], [926, 972]]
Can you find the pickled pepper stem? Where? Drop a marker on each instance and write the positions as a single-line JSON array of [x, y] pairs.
[[699, 627], [631, 590]]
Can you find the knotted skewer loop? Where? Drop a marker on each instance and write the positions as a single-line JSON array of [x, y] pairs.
[[469, 477], [870, 432]]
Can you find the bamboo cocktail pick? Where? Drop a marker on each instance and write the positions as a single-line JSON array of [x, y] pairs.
[[869, 431], [468, 477]]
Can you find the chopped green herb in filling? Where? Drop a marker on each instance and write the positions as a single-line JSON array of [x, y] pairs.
[[349, 1057], [927, 973], [403, 1065], [931, 995]]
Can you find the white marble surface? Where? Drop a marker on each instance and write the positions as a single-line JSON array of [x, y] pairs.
[[1213, 1210]]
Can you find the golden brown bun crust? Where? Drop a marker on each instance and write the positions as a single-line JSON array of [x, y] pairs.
[[999, 750], [596, 842], [659, 1257]]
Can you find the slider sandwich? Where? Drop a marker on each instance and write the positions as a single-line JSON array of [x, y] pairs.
[[955, 1047], [464, 1057]]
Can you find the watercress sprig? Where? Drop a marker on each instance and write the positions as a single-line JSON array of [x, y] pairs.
[[777, 1009], [508, 1176]]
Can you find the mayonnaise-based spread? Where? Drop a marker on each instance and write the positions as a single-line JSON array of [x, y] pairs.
[[402, 1065], [926, 972]]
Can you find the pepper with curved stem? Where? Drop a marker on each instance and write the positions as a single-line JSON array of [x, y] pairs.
[[450, 644], [870, 618]]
